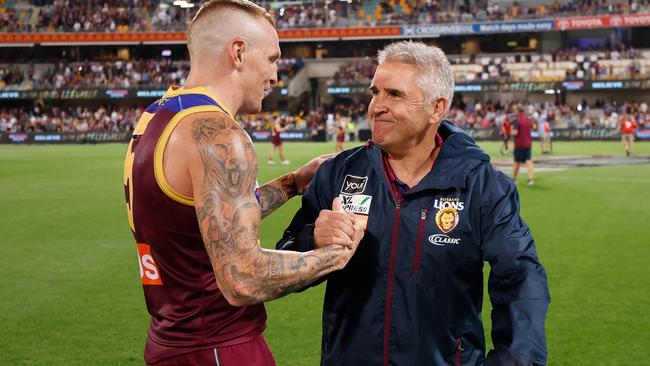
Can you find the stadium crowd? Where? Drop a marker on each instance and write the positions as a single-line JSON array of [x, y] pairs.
[[561, 65], [110, 74], [402, 12], [157, 15], [569, 64], [599, 114], [44, 118]]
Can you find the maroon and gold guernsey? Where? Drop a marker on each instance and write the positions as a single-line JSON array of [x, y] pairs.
[[188, 311]]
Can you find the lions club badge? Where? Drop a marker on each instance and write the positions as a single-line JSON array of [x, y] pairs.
[[447, 219]]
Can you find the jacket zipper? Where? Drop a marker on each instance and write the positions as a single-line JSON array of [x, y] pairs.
[[459, 348], [389, 286], [418, 243]]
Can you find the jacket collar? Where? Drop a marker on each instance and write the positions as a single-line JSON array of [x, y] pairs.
[[458, 156]]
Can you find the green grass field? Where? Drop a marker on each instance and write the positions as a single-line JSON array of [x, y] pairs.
[[70, 292]]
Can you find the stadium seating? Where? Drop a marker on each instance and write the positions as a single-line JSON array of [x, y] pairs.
[[161, 15]]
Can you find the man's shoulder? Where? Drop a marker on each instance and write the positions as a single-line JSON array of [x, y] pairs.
[[345, 158]]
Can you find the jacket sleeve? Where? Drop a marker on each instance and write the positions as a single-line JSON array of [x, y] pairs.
[[299, 236], [517, 284]]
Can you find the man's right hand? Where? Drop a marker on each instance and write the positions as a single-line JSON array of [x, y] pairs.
[[339, 228]]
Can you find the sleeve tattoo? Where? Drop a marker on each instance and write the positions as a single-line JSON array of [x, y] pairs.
[[275, 193], [229, 218]]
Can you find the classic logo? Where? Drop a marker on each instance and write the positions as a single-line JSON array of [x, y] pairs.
[[447, 219], [358, 204], [442, 240], [149, 272], [353, 184]]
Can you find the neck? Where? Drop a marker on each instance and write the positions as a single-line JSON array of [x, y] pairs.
[[220, 87], [411, 165]]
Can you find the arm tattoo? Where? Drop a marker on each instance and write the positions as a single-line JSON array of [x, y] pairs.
[[275, 193], [229, 218], [283, 277]]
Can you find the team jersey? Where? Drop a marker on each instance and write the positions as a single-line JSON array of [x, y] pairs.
[[188, 311], [506, 128], [628, 126], [524, 127]]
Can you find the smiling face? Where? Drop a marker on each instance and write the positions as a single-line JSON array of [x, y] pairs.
[[399, 119]]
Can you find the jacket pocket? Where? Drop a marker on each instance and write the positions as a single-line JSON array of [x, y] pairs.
[[418, 242]]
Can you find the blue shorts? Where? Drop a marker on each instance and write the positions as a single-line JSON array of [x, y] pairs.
[[522, 155]]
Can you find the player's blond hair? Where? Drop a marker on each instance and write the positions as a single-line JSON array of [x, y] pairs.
[[212, 7], [436, 77]]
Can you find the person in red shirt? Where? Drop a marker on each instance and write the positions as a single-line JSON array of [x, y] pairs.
[[546, 137], [521, 130], [340, 138], [628, 127], [505, 132]]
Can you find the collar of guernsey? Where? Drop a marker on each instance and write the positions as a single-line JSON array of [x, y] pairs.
[[200, 96]]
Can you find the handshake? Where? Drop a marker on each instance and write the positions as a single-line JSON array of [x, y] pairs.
[[340, 230]]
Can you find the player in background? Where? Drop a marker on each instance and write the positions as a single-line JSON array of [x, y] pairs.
[[627, 128], [340, 138], [521, 130], [276, 141], [505, 134], [544, 131]]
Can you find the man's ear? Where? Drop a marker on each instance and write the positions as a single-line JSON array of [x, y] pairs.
[[438, 109], [236, 52]]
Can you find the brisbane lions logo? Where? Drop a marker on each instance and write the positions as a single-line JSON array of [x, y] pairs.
[[447, 219]]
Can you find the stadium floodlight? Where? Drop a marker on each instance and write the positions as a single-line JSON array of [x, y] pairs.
[[179, 2], [187, 5]]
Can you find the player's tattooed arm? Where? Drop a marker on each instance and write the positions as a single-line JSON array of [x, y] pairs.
[[223, 172], [276, 192]]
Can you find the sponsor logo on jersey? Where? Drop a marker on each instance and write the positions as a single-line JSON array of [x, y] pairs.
[[353, 184], [149, 273], [447, 217], [440, 203], [442, 240], [357, 204]]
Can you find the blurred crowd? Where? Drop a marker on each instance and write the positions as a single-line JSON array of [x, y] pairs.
[[154, 15], [569, 64], [108, 74], [42, 118], [358, 72], [599, 114], [112, 74]]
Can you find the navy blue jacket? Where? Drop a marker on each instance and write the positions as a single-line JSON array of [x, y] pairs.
[[412, 294]]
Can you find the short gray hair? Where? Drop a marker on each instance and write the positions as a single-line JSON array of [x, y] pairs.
[[436, 80]]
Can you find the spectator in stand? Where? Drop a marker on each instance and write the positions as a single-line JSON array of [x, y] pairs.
[[147, 15]]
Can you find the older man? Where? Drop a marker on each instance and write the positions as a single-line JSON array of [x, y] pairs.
[[435, 211]]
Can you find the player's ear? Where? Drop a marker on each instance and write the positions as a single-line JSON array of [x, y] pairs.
[[236, 52]]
